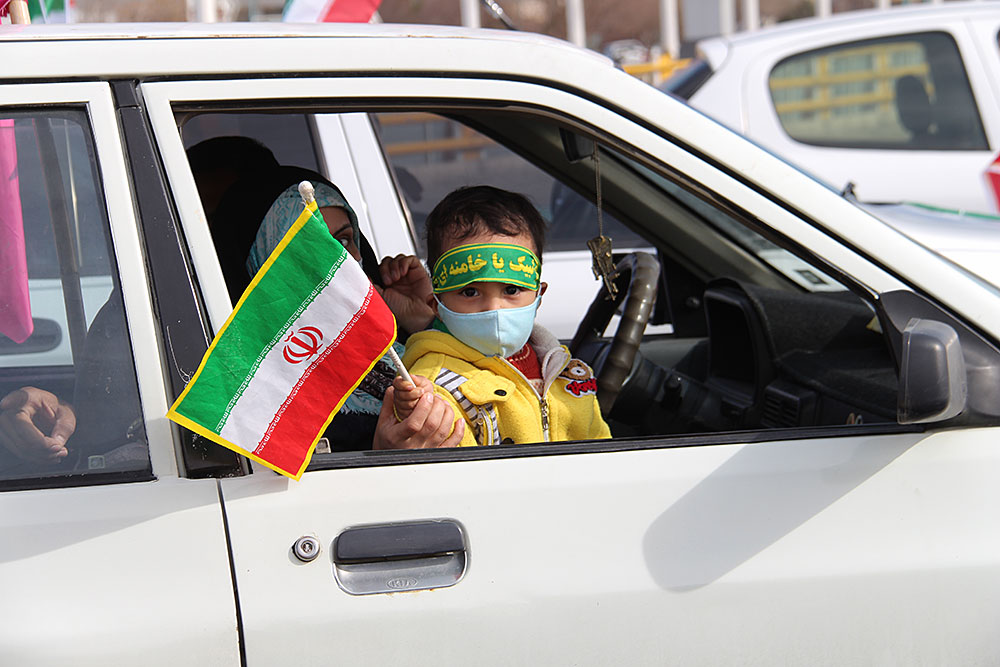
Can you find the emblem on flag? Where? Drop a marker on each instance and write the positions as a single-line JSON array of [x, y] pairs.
[[305, 333], [302, 344]]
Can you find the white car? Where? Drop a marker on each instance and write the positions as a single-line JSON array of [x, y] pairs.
[[804, 471], [898, 105]]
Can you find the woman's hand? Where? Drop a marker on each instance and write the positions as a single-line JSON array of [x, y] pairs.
[[431, 424], [407, 291], [35, 425]]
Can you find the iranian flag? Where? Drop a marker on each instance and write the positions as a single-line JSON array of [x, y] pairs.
[[301, 338], [329, 11]]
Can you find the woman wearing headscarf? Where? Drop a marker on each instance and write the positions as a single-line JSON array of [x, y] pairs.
[[366, 419]]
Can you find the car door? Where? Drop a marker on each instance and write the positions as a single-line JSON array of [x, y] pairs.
[[696, 549], [889, 108], [107, 555]]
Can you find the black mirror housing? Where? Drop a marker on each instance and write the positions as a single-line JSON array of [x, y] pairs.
[[932, 373]]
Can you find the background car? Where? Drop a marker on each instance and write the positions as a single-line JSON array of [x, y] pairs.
[[803, 470], [898, 105]]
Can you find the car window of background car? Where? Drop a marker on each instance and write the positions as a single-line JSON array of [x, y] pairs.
[[432, 155], [900, 92], [79, 349]]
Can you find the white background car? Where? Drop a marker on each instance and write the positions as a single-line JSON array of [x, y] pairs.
[[903, 104], [804, 471]]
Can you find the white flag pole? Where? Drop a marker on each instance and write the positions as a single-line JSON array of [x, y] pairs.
[[399, 365], [576, 27], [470, 13]]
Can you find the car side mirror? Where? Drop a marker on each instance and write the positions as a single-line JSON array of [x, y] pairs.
[[932, 373]]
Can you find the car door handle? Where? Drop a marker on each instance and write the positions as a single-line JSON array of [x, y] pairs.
[[389, 558]]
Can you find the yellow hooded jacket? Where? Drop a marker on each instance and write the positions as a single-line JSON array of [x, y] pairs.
[[498, 403]]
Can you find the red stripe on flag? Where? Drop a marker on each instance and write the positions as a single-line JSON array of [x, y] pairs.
[[324, 384], [350, 11]]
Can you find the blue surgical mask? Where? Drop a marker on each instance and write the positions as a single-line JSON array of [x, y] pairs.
[[500, 332]]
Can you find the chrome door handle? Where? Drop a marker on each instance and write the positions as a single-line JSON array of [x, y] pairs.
[[390, 558]]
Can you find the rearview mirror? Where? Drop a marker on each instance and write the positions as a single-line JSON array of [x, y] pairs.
[[932, 373]]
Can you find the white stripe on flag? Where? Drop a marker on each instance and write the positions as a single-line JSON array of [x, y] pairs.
[[305, 11], [330, 312]]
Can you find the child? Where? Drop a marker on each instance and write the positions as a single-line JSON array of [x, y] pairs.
[[507, 377]]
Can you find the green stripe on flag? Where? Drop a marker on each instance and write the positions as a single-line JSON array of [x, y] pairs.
[[290, 280], [43, 10]]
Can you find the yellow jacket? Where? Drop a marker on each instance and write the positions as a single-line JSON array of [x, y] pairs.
[[498, 403]]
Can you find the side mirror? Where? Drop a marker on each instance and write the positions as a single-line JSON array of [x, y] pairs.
[[932, 373]]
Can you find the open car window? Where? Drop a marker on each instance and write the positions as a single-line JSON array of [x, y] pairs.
[[761, 337]]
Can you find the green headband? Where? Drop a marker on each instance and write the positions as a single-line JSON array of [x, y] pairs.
[[490, 262]]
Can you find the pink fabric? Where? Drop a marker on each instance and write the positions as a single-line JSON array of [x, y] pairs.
[[349, 11], [15, 304], [3, 7]]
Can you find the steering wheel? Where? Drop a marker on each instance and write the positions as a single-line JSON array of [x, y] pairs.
[[637, 277]]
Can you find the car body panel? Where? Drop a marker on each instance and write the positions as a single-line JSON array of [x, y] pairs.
[[822, 538]]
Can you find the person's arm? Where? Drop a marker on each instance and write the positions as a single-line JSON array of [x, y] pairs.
[[35, 425], [431, 424], [407, 291]]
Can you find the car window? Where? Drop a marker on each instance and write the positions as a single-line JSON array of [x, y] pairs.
[[907, 92], [65, 356], [431, 155], [762, 337], [288, 136]]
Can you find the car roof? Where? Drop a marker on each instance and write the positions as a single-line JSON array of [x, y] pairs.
[[94, 31], [95, 50], [715, 48]]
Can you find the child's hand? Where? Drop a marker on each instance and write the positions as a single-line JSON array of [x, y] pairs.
[[406, 395]]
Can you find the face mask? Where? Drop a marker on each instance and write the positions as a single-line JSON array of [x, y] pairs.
[[499, 332]]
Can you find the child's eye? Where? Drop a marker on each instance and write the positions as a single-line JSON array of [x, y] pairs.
[[512, 290], [345, 240], [469, 292]]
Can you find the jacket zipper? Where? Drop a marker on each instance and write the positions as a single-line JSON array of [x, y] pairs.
[[543, 404]]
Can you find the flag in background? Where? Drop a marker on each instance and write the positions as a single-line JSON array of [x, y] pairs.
[[49, 11], [15, 302], [329, 11], [300, 340]]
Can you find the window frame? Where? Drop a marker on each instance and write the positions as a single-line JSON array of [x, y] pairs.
[[369, 93], [113, 180]]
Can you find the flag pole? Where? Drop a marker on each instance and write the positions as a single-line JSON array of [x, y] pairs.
[[399, 366], [19, 12], [308, 194]]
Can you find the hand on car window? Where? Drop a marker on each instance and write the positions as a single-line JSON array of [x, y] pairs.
[[35, 425], [407, 291], [430, 425]]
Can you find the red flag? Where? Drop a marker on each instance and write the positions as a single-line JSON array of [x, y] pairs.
[[15, 304], [330, 11]]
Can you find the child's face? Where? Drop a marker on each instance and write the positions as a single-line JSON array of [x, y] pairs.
[[480, 297]]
